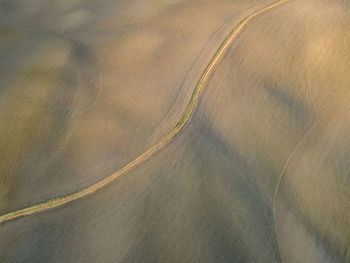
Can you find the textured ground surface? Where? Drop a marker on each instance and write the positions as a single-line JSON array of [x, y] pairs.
[[260, 173]]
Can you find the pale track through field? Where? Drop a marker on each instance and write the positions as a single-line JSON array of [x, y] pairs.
[[59, 201]]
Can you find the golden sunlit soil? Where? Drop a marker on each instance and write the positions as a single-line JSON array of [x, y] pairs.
[[259, 173]]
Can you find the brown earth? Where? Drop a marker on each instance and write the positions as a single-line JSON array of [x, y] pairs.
[[260, 173]]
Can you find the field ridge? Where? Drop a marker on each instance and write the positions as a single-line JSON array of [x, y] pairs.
[[62, 200]]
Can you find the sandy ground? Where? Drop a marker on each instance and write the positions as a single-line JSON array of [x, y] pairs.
[[78, 103], [259, 174]]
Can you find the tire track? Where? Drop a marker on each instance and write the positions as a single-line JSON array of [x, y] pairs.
[[62, 200]]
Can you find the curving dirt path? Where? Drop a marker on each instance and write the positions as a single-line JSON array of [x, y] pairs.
[[56, 202]]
